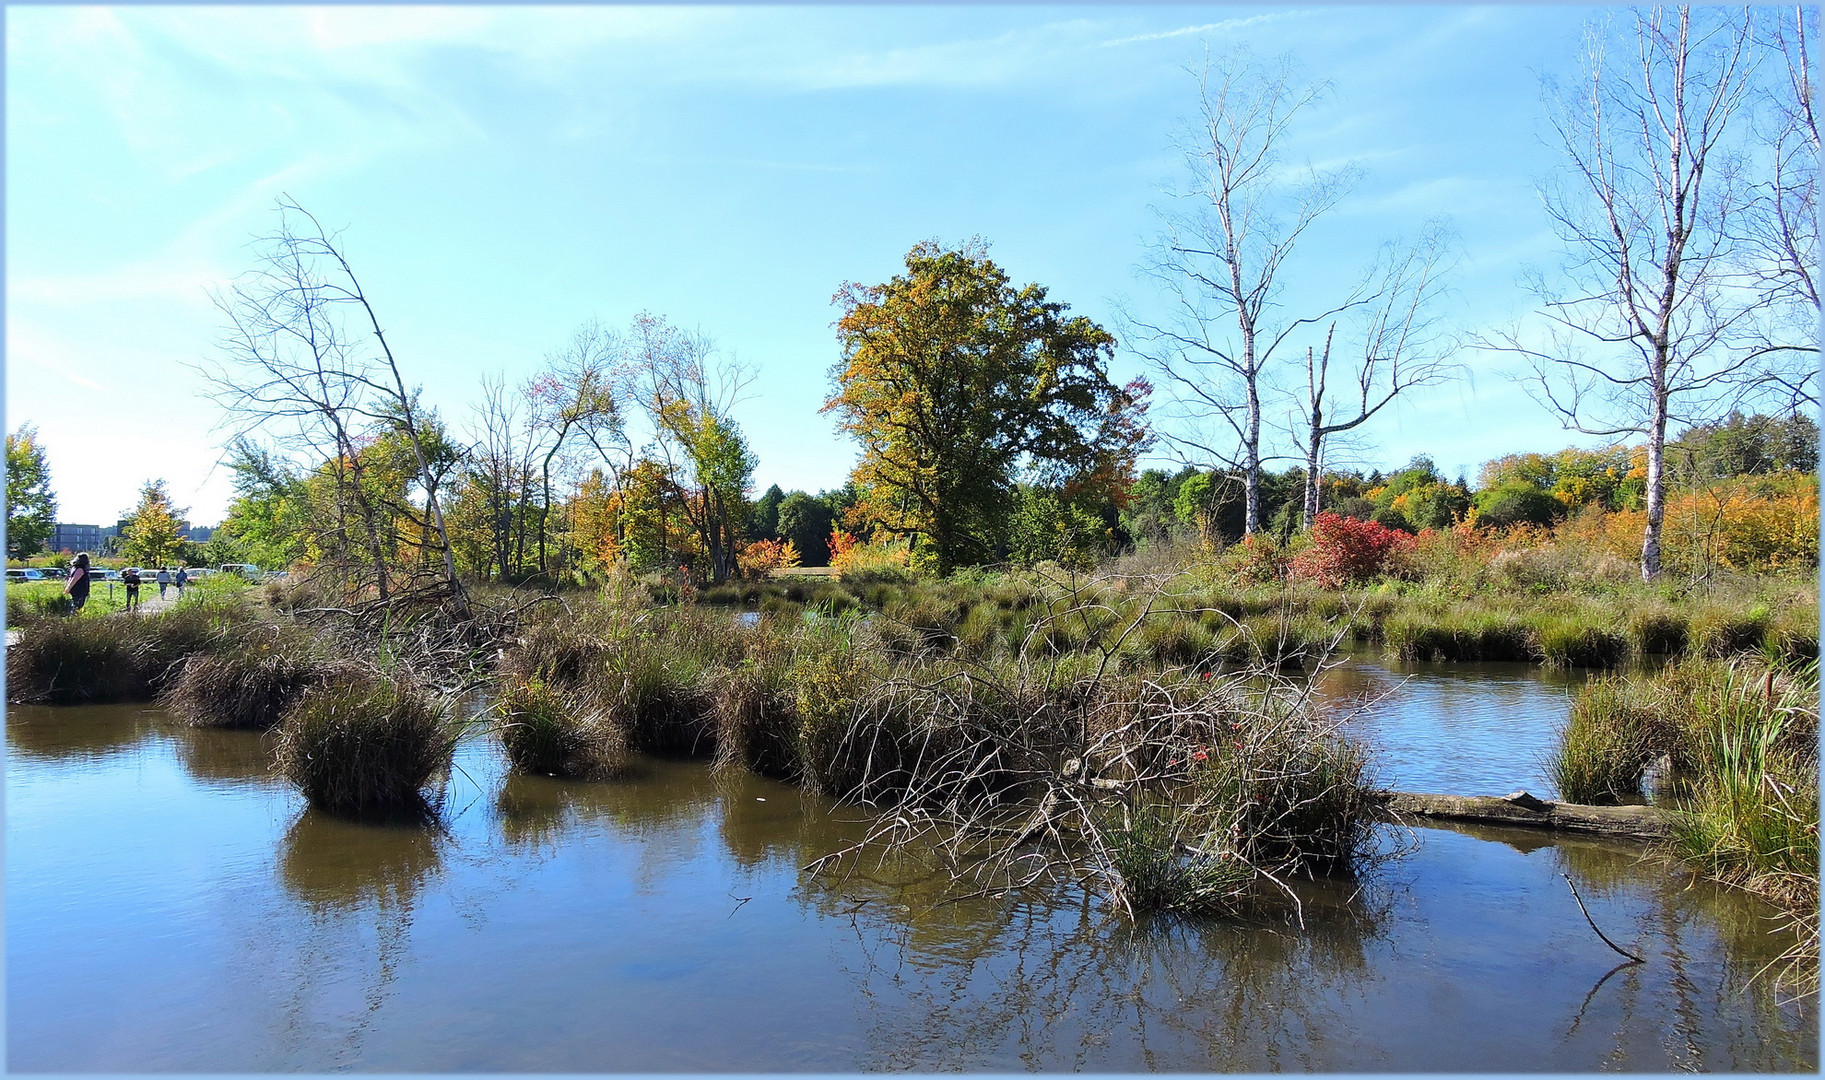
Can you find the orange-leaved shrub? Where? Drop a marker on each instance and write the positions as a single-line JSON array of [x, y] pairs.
[[762, 557], [850, 557]]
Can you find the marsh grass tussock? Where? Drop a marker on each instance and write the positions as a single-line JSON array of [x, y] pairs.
[[116, 658], [248, 679], [1743, 736], [1575, 640], [550, 731], [1154, 865], [365, 744], [73, 661]]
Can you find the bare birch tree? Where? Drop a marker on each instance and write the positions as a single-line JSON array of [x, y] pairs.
[[1222, 257], [573, 400], [1641, 319], [494, 503], [1393, 348], [1781, 228]]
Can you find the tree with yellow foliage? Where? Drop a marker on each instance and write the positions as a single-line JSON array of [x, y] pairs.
[[958, 385]]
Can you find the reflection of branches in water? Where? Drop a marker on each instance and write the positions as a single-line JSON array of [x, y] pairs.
[[1059, 985], [1682, 1000], [76, 733], [343, 870], [1586, 1003]]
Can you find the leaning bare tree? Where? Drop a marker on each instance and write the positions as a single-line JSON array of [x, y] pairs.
[[1642, 318], [289, 364], [1394, 347], [1222, 258]]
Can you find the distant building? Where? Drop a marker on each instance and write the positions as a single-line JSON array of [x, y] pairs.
[[77, 537]]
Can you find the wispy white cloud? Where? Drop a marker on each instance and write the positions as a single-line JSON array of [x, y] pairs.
[[30, 345], [1227, 26], [1442, 194], [982, 61]]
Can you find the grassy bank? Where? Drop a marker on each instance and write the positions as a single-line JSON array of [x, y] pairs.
[[42, 599], [1737, 743], [1193, 617], [1046, 754]]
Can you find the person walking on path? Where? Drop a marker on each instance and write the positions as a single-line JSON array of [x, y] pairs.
[[164, 579], [131, 580], [77, 587], [182, 579]]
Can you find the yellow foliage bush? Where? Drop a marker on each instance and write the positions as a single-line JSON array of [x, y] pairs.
[[1748, 524], [855, 557]]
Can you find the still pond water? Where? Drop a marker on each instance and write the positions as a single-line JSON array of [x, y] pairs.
[[172, 907]]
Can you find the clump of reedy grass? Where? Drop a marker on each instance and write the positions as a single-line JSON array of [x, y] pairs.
[[365, 743], [555, 732], [249, 679]]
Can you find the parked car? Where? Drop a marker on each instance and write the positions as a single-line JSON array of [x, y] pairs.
[[198, 573], [246, 570], [27, 574]]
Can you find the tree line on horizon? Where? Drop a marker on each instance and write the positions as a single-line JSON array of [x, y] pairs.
[[989, 427]]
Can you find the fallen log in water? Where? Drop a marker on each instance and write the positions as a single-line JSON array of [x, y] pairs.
[[1520, 808]]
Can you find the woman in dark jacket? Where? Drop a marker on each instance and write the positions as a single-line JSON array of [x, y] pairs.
[[77, 587]]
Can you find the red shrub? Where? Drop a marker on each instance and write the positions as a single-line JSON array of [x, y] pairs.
[[1347, 549]]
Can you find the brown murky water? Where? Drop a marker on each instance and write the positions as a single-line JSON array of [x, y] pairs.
[[171, 907]]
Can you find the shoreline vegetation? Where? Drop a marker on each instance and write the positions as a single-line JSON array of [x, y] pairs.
[[1148, 736]]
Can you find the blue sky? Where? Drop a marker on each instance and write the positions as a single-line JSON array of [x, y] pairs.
[[505, 174]]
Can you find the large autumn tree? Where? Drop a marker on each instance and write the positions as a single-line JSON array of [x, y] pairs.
[[31, 508], [959, 385]]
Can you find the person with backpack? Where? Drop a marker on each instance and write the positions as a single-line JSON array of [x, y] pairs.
[[164, 579], [182, 579], [77, 587]]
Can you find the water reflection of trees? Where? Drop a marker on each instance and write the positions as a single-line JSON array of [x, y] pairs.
[[360, 883], [221, 756], [76, 733], [1059, 984], [664, 807]]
